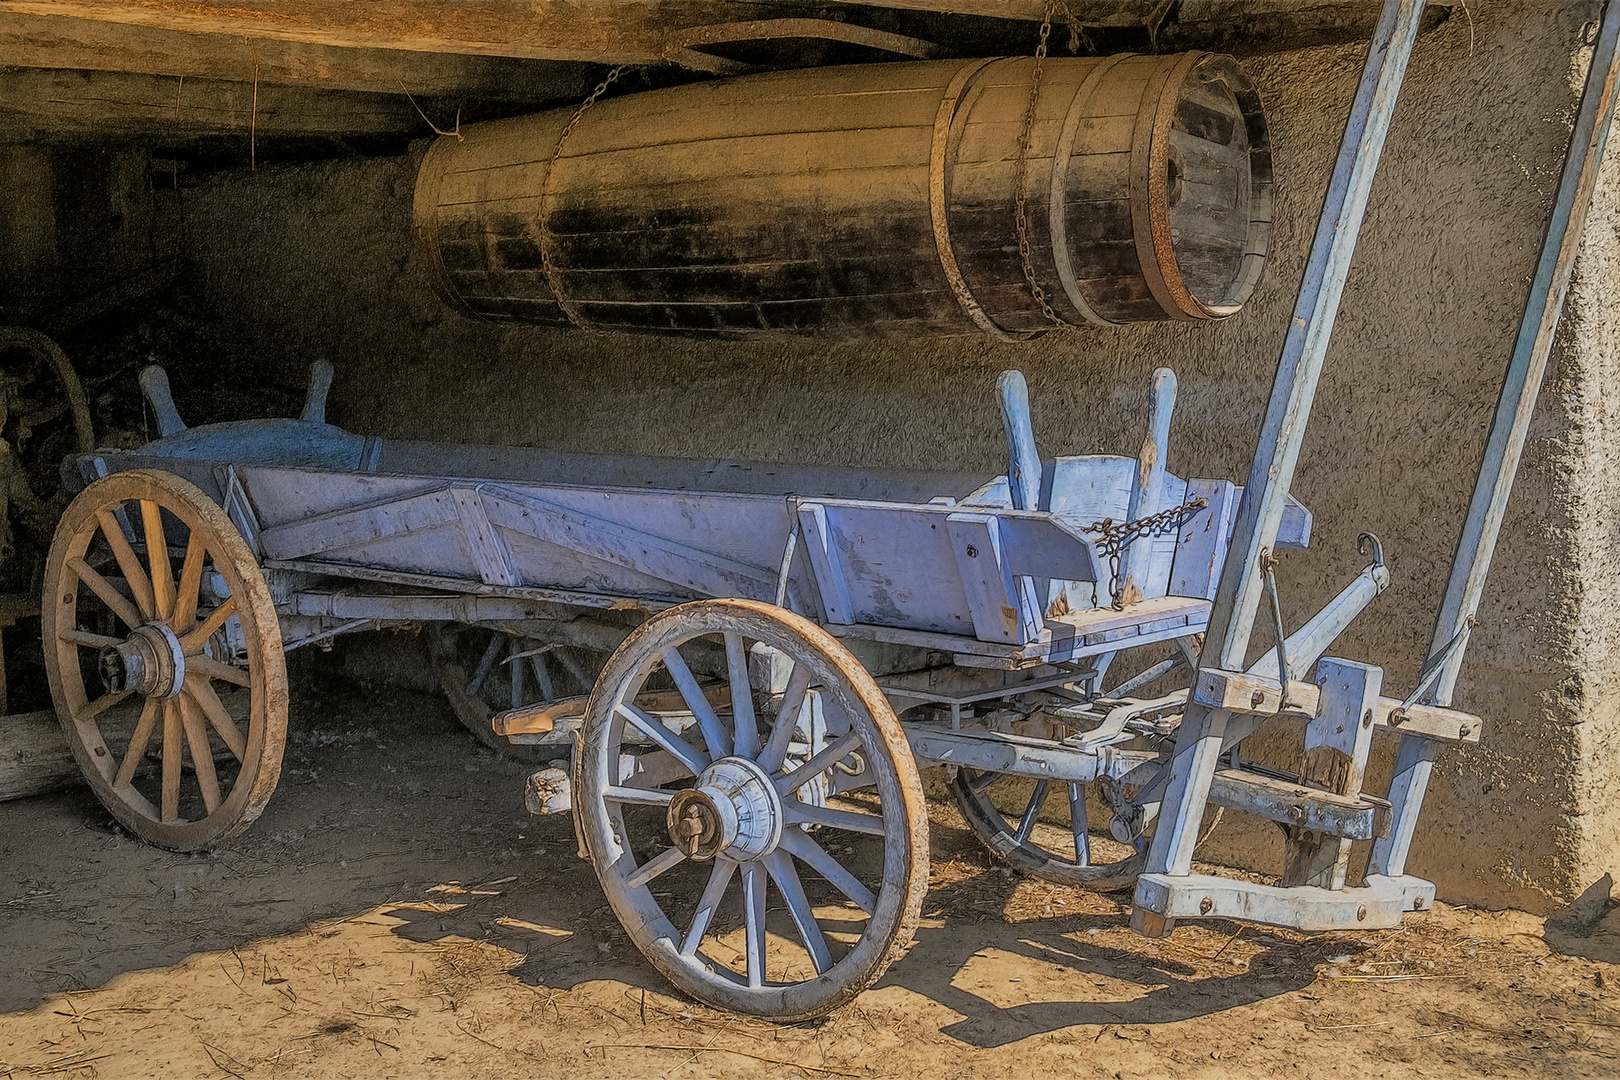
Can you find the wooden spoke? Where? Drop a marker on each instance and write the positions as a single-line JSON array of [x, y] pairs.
[[101, 705], [713, 734], [802, 813], [157, 804], [128, 562], [115, 600], [203, 694], [190, 588], [708, 903], [1026, 825], [486, 664], [1079, 825], [688, 755], [198, 636], [202, 754], [672, 918], [780, 867], [137, 742], [171, 760], [819, 764], [647, 871], [157, 557], [798, 843], [745, 728], [207, 665], [87, 639], [775, 751], [638, 796], [754, 921]]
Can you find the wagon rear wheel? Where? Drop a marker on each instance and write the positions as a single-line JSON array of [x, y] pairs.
[[484, 671], [765, 847], [1005, 812], [170, 684]]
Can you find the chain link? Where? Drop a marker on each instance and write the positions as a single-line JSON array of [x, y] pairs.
[[1021, 189], [545, 186], [1113, 539]]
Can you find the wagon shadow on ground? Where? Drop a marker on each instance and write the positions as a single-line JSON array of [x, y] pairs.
[[1010, 980], [978, 952]]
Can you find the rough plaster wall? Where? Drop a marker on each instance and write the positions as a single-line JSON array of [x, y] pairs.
[[1590, 391], [317, 261]]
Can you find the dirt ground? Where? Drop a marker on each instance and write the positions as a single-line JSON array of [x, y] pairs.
[[397, 913]]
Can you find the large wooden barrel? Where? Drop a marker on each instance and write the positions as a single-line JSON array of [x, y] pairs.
[[861, 201]]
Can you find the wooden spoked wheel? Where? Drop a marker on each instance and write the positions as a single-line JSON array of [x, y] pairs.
[[170, 684], [809, 793], [487, 671], [1006, 812]]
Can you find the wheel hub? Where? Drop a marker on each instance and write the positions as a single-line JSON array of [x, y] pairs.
[[733, 810], [150, 661]]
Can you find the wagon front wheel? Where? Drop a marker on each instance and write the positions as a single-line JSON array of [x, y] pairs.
[[764, 841], [170, 684]]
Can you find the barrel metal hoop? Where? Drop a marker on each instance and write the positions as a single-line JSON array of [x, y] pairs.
[[938, 164], [1057, 224], [1150, 209]]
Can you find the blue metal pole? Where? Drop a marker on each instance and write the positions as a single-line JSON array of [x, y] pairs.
[[1198, 741], [1511, 426]]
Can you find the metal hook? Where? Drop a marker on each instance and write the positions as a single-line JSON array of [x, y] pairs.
[[1377, 547]]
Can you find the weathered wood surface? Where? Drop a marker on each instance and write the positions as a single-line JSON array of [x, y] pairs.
[[34, 756], [863, 201], [89, 44], [115, 102]]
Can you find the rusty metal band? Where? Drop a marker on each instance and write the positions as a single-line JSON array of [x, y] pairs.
[[1057, 223], [1150, 197], [938, 185]]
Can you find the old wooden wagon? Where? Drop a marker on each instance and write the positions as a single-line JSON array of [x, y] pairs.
[[785, 647]]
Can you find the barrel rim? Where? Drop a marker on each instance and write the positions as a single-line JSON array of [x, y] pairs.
[[1257, 240]]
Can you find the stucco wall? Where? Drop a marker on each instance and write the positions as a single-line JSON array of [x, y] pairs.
[[314, 261]]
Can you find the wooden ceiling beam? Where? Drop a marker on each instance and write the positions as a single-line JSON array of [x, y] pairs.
[[615, 33], [117, 103], [34, 41], [635, 32]]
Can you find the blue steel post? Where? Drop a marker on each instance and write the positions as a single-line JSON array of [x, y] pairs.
[[1198, 742], [1511, 425]]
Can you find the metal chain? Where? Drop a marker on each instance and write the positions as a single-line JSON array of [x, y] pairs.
[[1020, 190], [545, 185], [1113, 539]]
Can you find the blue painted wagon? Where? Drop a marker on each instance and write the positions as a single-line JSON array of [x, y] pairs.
[[787, 646]]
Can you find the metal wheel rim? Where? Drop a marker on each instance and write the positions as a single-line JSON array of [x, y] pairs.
[[1000, 836], [896, 903], [81, 707]]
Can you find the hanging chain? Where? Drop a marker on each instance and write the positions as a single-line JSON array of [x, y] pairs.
[[1112, 539], [1021, 188], [545, 186]]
